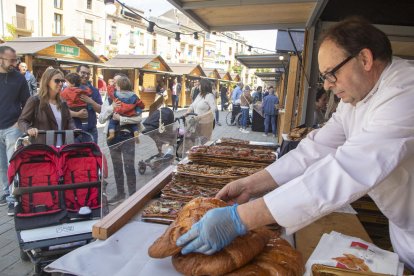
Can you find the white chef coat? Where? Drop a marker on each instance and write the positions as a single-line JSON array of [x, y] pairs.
[[367, 148]]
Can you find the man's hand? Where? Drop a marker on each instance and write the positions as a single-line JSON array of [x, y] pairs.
[[32, 132], [82, 114], [216, 229], [86, 99], [235, 192]]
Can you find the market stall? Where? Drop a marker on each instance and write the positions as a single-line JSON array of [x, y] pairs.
[[188, 73], [148, 74], [65, 52]]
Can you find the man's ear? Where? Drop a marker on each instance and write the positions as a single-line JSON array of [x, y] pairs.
[[367, 58]]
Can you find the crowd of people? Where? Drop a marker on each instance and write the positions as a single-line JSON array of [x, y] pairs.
[[65, 103]]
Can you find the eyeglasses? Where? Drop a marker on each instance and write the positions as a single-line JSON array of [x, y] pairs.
[[330, 76], [57, 81]]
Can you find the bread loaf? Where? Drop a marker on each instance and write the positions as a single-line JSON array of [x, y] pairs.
[[192, 212], [278, 258], [235, 255]]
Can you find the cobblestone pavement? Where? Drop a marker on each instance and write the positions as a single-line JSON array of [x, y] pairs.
[[10, 263]]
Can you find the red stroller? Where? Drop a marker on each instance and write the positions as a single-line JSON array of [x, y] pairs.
[[58, 196]]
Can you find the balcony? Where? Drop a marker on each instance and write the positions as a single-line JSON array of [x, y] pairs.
[[22, 24]]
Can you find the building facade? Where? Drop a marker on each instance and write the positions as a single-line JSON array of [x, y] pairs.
[[122, 31]]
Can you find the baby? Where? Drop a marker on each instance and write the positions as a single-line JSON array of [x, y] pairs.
[[129, 105], [71, 94]]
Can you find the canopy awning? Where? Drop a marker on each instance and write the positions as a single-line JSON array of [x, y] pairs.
[[187, 69], [237, 15], [148, 63], [262, 60]]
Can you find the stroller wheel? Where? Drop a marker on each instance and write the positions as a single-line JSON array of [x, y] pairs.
[[142, 167], [23, 256]]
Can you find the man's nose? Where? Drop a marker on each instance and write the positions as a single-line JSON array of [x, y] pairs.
[[327, 85]]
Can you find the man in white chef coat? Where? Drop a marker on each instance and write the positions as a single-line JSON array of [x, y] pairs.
[[367, 147]]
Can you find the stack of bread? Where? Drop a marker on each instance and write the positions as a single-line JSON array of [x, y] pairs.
[[298, 133], [259, 252]]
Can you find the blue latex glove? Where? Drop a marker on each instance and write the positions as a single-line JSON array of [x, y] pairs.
[[215, 230]]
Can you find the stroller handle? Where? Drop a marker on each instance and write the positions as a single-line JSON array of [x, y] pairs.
[[186, 115], [75, 131]]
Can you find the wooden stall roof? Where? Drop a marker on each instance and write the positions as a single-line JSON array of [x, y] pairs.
[[187, 69], [45, 47], [263, 60], [143, 62], [267, 76], [235, 77], [212, 73], [236, 15], [224, 75]]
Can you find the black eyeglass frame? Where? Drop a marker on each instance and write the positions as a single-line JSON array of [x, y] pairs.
[[331, 74], [57, 81]]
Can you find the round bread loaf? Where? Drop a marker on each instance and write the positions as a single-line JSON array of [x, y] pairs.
[[238, 253], [192, 212], [278, 258]]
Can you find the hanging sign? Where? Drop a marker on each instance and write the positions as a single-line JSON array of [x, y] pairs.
[[67, 50]]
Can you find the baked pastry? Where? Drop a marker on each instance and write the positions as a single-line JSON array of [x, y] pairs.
[[278, 258], [192, 212], [238, 253]]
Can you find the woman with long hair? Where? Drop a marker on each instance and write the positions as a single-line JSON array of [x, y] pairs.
[[46, 110], [205, 101]]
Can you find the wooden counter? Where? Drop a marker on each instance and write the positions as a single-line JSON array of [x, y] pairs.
[[308, 238]]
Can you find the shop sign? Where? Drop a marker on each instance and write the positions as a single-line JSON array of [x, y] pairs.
[[154, 65], [67, 50]]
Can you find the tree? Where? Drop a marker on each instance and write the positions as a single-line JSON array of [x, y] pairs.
[[12, 31]]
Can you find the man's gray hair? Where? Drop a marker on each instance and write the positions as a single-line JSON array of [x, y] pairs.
[[240, 84]]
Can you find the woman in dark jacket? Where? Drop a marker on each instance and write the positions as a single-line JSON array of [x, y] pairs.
[[46, 111]]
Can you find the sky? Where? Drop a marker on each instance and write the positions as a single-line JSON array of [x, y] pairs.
[[264, 39]]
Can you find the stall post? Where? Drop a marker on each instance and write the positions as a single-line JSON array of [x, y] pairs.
[[286, 118], [183, 95], [136, 81], [29, 61]]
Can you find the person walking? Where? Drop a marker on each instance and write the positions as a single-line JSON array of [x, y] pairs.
[[366, 147], [245, 101], [235, 99], [14, 93], [31, 80], [224, 98], [270, 112], [195, 90]]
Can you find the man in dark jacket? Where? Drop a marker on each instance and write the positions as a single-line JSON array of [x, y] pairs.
[[31, 80], [14, 93], [270, 111]]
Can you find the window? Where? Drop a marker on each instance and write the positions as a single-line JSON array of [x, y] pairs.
[[58, 4], [57, 24], [21, 17], [190, 50], [141, 39], [89, 4], [131, 39], [230, 51], [88, 29], [113, 35]]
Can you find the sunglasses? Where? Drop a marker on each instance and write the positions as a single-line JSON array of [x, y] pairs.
[[57, 81]]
